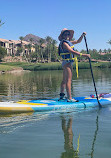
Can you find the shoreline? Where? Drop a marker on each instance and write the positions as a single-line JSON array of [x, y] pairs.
[[14, 70], [16, 67]]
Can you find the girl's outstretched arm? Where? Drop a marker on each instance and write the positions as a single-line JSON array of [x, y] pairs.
[[80, 38]]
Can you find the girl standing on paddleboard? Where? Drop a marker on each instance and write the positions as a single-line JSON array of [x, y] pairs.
[[67, 52]]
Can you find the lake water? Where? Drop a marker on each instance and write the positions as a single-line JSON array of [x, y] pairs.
[[82, 134]]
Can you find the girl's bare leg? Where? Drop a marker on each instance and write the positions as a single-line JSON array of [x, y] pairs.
[[67, 77], [68, 80]]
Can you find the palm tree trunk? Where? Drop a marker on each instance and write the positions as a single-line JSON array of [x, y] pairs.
[[42, 58]]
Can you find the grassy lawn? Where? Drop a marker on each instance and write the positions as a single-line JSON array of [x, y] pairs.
[[6, 67], [36, 66]]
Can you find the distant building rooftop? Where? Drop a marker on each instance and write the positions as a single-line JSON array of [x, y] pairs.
[[14, 41]]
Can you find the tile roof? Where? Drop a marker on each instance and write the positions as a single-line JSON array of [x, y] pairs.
[[14, 41]]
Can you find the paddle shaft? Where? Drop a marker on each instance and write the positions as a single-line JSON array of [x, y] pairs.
[[92, 73]]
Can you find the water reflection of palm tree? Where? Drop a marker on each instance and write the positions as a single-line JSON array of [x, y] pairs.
[[68, 143]]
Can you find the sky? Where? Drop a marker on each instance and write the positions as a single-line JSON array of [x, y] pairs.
[[47, 18]]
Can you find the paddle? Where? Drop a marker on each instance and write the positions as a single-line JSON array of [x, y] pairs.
[[100, 106]]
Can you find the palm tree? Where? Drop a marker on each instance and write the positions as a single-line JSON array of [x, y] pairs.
[[21, 38], [31, 40], [29, 48], [109, 50], [94, 51], [31, 43], [105, 51], [21, 45], [109, 42], [100, 51], [36, 53], [41, 41], [54, 43], [1, 23], [29, 52], [83, 51], [49, 41]]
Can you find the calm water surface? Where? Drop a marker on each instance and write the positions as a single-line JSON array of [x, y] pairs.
[[82, 134]]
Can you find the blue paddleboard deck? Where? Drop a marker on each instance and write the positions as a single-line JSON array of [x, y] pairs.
[[52, 104]]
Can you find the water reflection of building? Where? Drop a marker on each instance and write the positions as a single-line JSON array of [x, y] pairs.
[[69, 152]]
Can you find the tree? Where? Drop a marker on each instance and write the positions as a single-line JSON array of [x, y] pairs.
[[21, 38], [28, 54], [31, 40], [19, 51], [21, 45], [100, 51], [109, 42], [49, 41], [1, 23], [109, 50], [54, 50], [29, 48], [83, 51], [3, 52], [105, 51], [36, 53], [94, 51], [41, 42]]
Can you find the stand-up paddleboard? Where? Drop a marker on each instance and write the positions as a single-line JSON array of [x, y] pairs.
[[52, 104]]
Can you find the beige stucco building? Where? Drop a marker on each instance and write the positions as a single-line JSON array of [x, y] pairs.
[[12, 46]]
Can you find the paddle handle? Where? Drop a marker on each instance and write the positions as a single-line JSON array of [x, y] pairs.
[[92, 73]]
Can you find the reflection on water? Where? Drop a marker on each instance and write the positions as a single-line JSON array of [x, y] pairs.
[[45, 133], [70, 151], [30, 84], [95, 136], [46, 84], [10, 122], [68, 140], [74, 134]]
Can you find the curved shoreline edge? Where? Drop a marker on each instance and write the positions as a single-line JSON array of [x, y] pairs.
[[22, 66]]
